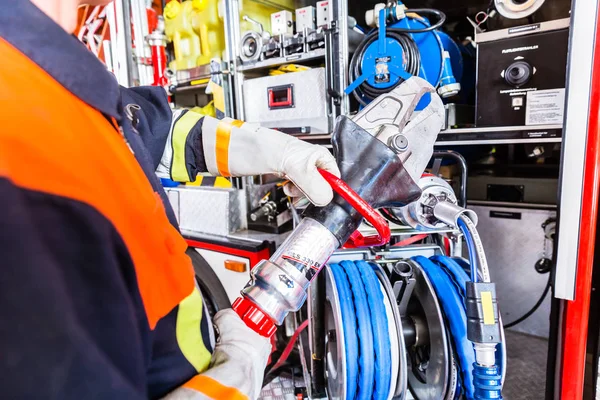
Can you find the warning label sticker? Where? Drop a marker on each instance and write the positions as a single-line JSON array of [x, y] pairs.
[[545, 107]]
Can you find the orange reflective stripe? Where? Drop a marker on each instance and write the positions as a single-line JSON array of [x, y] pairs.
[[53, 142], [213, 389], [222, 144]]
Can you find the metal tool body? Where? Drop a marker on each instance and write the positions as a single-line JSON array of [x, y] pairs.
[[375, 173]]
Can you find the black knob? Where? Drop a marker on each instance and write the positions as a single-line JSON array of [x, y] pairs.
[[543, 265], [518, 73]]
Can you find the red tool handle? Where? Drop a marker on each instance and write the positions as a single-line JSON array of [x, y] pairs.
[[374, 218]]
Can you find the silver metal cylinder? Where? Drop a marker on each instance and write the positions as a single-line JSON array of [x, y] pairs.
[[278, 285], [420, 213], [485, 354], [449, 213]]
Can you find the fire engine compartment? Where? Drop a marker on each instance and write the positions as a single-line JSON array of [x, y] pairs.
[[405, 319]]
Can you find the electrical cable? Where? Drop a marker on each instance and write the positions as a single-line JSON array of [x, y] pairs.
[[441, 18], [534, 308], [470, 248], [410, 53], [386, 212], [289, 347]]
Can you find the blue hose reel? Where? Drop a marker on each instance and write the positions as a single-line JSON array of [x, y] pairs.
[[401, 47], [364, 323]]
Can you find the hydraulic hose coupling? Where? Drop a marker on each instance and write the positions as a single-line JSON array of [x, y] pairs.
[[279, 284], [449, 213]]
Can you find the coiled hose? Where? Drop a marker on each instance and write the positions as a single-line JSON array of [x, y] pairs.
[[411, 56]]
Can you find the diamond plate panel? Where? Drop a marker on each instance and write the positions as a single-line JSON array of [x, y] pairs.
[[512, 247], [209, 210], [280, 388], [310, 101], [526, 377]]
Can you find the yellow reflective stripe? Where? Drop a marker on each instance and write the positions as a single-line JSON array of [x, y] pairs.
[[188, 331], [487, 305], [180, 133], [222, 145], [213, 389]]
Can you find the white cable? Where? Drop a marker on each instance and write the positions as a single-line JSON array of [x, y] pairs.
[[483, 265]]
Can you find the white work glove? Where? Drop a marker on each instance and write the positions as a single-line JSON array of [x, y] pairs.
[[233, 148], [240, 356]]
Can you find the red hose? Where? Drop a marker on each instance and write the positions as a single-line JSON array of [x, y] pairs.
[[411, 240], [289, 347], [374, 218]]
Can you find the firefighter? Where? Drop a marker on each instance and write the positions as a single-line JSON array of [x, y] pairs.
[[97, 297]]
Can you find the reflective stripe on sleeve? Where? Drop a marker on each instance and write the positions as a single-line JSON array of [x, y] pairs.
[[213, 389], [181, 130], [188, 331], [216, 136]]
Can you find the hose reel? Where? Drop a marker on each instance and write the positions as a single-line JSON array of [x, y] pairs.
[[422, 301], [404, 44]]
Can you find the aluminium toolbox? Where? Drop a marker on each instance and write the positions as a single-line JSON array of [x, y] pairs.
[[294, 102]]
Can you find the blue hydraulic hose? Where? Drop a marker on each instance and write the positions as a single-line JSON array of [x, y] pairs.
[[487, 382], [471, 248]]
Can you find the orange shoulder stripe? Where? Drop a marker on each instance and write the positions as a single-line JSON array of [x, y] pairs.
[[50, 141]]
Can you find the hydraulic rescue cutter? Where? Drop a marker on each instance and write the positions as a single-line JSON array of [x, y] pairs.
[[381, 152]]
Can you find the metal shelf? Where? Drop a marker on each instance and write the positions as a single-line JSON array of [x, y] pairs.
[[192, 74], [500, 135], [316, 136], [275, 62], [398, 230]]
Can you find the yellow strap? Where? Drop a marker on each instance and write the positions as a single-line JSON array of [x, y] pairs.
[[218, 94], [221, 182], [222, 145], [181, 131], [188, 331], [487, 305], [213, 389]]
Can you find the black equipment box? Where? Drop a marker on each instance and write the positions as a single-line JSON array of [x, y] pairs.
[[514, 190], [521, 75]]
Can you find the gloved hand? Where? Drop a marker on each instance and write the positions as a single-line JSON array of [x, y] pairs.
[[240, 355], [234, 148]]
